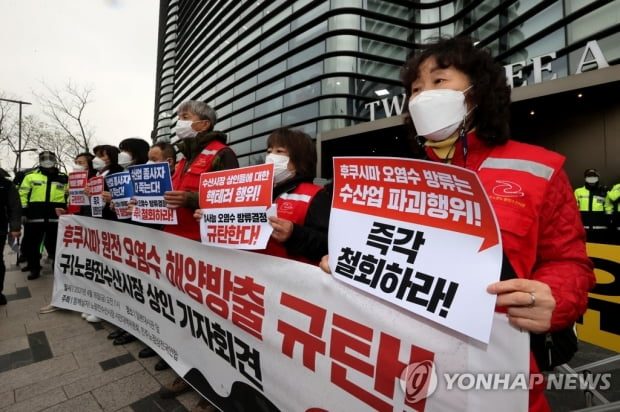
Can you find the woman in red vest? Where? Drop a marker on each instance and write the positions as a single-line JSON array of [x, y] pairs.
[[300, 227], [459, 107]]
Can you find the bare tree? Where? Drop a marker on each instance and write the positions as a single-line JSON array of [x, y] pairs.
[[66, 107]]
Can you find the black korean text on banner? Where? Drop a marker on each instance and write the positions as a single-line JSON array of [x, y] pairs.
[[414, 233]]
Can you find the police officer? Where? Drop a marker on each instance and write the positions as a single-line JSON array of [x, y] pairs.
[[612, 207], [591, 203], [41, 192]]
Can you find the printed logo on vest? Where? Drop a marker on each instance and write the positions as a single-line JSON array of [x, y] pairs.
[[506, 188]]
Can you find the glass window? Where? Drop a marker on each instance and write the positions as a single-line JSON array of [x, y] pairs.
[[308, 128], [335, 85], [244, 161], [303, 93], [270, 106], [271, 71], [243, 117], [247, 65], [241, 102], [275, 37], [344, 21], [307, 73], [267, 124], [336, 106], [341, 43], [277, 19], [301, 113], [307, 54], [539, 22], [236, 135], [271, 88], [309, 33], [259, 144], [593, 22], [273, 55], [245, 86], [223, 124], [340, 64], [382, 49]]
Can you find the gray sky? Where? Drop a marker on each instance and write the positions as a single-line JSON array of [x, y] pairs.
[[108, 45]]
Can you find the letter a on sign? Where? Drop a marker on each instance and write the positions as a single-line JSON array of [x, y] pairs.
[[593, 49]]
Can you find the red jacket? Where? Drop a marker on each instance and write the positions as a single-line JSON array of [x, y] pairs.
[[189, 180], [541, 229]]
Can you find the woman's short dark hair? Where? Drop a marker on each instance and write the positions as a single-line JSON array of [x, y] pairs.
[[489, 94], [110, 150], [301, 149], [138, 148]]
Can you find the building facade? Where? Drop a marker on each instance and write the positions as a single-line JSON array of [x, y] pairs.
[[331, 68]]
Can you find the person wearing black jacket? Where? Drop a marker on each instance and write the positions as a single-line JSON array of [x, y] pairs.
[[10, 220]]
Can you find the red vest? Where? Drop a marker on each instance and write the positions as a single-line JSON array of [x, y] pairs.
[[292, 206], [189, 180], [516, 178]]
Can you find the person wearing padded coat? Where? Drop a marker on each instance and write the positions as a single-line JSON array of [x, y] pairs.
[[459, 106]]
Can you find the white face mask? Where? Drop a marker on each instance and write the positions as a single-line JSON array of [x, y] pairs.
[[47, 164], [124, 159], [280, 169], [591, 179], [437, 114], [183, 129], [98, 163], [78, 168]]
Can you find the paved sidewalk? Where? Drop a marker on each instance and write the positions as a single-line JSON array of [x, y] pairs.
[[59, 362]]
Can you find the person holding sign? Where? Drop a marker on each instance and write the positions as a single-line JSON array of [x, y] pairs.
[[300, 227], [204, 150], [105, 162], [459, 113], [459, 107]]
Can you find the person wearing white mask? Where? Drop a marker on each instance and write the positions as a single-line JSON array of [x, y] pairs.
[[459, 103], [41, 192], [303, 208], [302, 219], [459, 108], [134, 151], [204, 150], [105, 162]]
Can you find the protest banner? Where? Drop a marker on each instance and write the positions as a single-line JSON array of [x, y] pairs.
[[273, 334], [77, 185], [421, 235], [150, 182], [235, 204]]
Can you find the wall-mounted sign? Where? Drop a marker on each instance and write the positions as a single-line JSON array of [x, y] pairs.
[[592, 58]]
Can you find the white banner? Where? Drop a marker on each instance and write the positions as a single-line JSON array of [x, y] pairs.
[[269, 331]]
